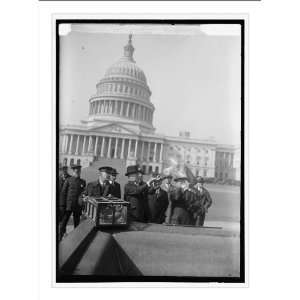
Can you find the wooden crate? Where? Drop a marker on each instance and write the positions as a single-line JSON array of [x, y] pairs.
[[107, 212]]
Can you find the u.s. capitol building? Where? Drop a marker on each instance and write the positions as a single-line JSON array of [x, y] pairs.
[[119, 129]]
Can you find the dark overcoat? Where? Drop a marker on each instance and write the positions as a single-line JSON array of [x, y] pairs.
[[180, 214], [72, 190], [115, 190], [135, 194], [62, 179], [158, 204], [95, 189]]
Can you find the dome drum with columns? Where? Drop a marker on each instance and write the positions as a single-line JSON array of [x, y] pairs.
[[119, 128]]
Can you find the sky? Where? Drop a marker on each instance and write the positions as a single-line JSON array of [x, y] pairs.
[[194, 76]]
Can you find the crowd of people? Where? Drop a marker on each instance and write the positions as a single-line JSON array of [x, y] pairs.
[[161, 199]]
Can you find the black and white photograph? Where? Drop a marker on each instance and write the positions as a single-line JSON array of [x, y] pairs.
[[149, 150]]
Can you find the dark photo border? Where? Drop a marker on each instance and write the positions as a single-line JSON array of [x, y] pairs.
[[62, 278]]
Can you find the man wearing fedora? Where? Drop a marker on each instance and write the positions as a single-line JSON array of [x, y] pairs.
[[115, 188], [179, 196], [203, 198], [100, 187], [157, 200], [70, 199], [134, 192]]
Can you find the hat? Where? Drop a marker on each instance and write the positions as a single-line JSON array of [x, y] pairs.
[[74, 167], [199, 179], [180, 179], [63, 167], [105, 169], [114, 172], [133, 170]]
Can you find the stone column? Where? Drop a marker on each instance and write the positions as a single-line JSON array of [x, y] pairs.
[[127, 112], [161, 152], [109, 146], [142, 153], [77, 144], [102, 147], [64, 139], [148, 154], [135, 149], [154, 155], [83, 145], [122, 107], [122, 149], [116, 148], [129, 147], [96, 145], [90, 143], [133, 111], [71, 142]]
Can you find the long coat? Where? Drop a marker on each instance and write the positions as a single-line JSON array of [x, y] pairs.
[[95, 189], [158, 204], [180, 214], [135, 194], [115, 190], [71, 192], [62, 179], [204, 201]]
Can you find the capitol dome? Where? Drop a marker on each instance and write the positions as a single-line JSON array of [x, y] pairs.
[[123, 92]]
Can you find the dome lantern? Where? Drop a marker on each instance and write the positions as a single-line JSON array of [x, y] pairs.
[[129, 49]]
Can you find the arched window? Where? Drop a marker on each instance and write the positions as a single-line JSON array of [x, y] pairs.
[[156, 169], [72, 161], [65, 162], [78, 161], [150, 170]]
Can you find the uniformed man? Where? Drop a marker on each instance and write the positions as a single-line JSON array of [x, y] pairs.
[[71, 199], [100, 187], [204, 200], [134, 192], [157, 201], [115, 188]]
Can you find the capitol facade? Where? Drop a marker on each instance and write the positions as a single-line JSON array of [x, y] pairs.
[[119, 129]]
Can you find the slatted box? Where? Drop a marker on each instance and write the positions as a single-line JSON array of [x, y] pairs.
[[107, 212]]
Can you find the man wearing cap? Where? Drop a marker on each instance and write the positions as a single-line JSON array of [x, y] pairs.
[[204, 199], [157, 201], [70, 199], [134, 192], [115, 188], [100, 187]]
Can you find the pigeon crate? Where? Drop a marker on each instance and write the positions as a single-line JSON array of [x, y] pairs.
[[107, 212]]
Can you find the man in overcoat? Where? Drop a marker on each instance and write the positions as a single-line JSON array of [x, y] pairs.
[[204, 199], [115, 188], [180, 197], [100, 187], [157, 202], [70, 199], [63, 176], [134, 192]]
